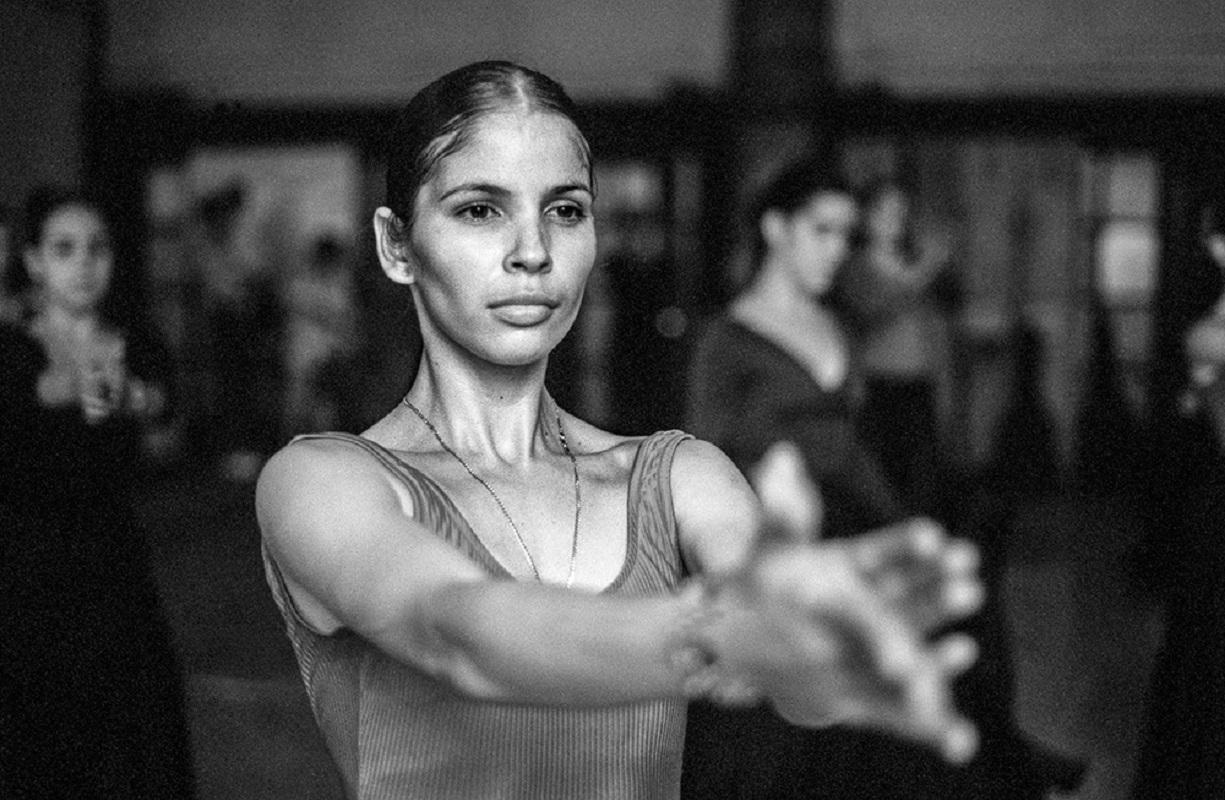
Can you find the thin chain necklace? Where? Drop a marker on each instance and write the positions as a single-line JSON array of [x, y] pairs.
[[578, 491]]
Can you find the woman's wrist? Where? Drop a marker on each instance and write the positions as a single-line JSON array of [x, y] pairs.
[[698, 656]]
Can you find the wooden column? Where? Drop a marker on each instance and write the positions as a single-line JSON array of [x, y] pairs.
[[781, 91]]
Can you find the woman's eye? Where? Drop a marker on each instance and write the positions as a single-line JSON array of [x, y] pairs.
[[477, 212], [569, 212]]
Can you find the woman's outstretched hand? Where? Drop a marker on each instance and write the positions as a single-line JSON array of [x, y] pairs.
[[846, 631], [837, 632]]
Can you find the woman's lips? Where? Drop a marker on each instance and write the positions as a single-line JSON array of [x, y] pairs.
[[524, 311]]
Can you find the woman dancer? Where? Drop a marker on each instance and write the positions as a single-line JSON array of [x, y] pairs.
[[487, 596]]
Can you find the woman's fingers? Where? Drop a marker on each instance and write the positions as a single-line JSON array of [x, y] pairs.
[[789, 497], [853, 655], [956, 653], [920, 706], [917, 540], [930, 577]]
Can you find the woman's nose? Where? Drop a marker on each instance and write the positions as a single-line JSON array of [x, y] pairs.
[[531, 248]]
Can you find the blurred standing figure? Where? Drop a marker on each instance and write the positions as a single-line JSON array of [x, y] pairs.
[[896, 290], [91, 692], [1183, 753]]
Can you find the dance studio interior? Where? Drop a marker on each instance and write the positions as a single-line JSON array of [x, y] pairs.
[[1064, 149]]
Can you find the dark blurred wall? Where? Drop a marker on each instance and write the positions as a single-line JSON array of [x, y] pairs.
[[44, 60], [369, 51], [1002, 47], [375, 51]]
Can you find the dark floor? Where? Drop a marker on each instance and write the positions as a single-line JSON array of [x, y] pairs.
[[1084, 641]]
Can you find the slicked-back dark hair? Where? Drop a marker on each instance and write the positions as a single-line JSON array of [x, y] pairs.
[[43, 201], [438, 121], [792, 188]]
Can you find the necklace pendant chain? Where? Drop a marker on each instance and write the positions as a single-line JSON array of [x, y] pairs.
[[578, 492]]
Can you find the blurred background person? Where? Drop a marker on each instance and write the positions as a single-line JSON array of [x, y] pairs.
[[899, 291], [1183, 753], [92, 695]]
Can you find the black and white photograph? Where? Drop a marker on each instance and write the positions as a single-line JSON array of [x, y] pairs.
[[635, 400]]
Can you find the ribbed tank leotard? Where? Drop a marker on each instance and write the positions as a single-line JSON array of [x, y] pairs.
[[396, 733]]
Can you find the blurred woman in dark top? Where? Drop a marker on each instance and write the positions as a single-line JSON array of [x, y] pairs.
[[91, 694], [779, 367]]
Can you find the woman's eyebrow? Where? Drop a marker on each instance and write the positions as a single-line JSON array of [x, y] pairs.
[[477, 188], [492, 189], [566, 188]]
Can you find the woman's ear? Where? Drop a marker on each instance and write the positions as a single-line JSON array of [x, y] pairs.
[[33, 264], [394, 256], [1216, 248], [773, 226]]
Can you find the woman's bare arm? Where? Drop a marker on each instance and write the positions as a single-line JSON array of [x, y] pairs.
[[342, 533], [801, 623]]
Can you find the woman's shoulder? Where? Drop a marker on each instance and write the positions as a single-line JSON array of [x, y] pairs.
[[722, 341], [323, 462], [587, 439], [319, 485], [616, 455]]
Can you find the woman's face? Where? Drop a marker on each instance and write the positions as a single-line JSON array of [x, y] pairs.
[[502, 238], [816, 239], [72, 261]]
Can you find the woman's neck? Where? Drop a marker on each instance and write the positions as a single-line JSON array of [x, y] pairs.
[[499, 412], [67, 322], [776, 293]]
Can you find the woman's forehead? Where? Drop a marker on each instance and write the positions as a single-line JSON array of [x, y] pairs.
[[830, 203], [515, 147], [73, 217]]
